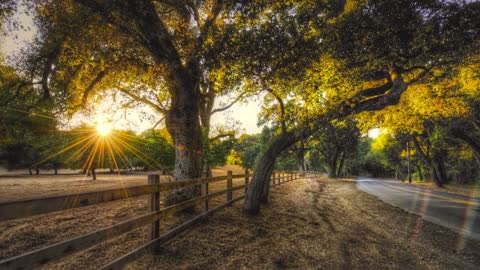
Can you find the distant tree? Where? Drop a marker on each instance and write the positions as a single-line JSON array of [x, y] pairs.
[[248, 147], [157, 145], [220, 151], [334, 142]]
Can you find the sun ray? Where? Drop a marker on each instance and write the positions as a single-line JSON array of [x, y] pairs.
[[138, 153], [75, 143], [112, 156]]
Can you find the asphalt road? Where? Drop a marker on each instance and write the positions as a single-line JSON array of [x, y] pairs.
[[459, 213]]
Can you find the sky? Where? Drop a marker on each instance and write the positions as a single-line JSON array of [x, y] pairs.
[[132, 119]]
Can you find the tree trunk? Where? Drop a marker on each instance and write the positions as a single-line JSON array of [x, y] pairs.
[[30, 171], [300, 155], [55, 171], [332, 165], [440, 173], [436, 175], [340, 166], [399, 173], [420, 173], [263, 172], [182, 80], [471, 142], [37, 171], [409, 173], [94, 174], [264, 167], [183, 124], [266, 187]]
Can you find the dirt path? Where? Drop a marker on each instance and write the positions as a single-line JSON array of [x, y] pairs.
[[316, 224]]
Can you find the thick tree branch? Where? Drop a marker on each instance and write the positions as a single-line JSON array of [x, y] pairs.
[[47, 68], [390, 97], [103, 11], [142, 99], [154, 32], [158, 122], [151, 32], [213, 14], [375, 91], [282, 106], [92, 85], [223, 135], [236, 100]]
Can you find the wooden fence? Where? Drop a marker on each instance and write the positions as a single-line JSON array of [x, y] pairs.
[[154, 188]]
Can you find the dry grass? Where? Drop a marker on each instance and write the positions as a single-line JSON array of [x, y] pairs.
[[472, 190], [308, 225], [22, 235], [15, 187], [316, 225]]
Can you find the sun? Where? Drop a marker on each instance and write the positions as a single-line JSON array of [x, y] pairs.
[[104, 128]]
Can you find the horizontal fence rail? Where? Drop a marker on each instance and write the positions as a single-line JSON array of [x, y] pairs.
[[49, 253], [27, 208]]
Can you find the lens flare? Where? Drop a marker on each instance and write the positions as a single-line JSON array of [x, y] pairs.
[[104, 129]]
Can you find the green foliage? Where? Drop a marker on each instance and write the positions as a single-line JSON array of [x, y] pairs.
[[335, 142], [248, 147], [158, 149], [221, 152], [286, 162]]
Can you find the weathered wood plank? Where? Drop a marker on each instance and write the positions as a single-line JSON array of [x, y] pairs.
[[192, 182], [121, 262], [229, 186], [44, 255], [154, 202], [20, 209]]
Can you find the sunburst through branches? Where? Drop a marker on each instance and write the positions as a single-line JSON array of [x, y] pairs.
[[102, 147]]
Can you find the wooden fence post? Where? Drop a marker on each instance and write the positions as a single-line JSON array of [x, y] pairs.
[[229, 186], [274, 180], [204, 188], [154, 179], [246, 180]]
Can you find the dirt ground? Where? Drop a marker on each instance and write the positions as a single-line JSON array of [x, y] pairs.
[[27, 234], [309, 224], [24, 187], [317, 225]]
